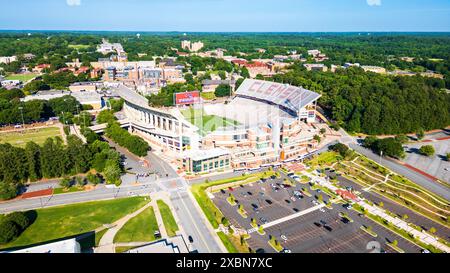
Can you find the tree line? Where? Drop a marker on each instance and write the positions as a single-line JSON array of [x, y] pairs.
[[12, 109], [54, 159], [376, 104], [134, 144]]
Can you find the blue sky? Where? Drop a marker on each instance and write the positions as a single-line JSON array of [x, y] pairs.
[[227, 15]]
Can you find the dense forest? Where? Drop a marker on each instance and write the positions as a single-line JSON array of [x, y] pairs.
[[377, 104]]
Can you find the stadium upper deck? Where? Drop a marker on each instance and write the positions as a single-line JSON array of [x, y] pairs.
[[289, 97]]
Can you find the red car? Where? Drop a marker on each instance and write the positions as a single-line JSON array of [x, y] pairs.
[[230, 188]]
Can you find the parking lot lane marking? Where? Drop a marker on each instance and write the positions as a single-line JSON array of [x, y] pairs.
[[292, 216]]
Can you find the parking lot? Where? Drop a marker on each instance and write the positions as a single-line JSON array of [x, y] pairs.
[[395, 208], [321, 230]]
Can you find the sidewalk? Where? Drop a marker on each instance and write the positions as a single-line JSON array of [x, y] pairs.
[[420, 235], [106, 244]]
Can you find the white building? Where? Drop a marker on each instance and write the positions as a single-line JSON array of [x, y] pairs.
[[8, 60]]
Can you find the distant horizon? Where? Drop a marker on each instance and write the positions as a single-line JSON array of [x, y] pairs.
[[199, 31]]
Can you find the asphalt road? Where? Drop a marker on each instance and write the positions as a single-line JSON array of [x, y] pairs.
[[167, 180]]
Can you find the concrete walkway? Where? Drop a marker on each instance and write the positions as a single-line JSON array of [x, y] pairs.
[[287, 218], [159, 220], [423, 236], [106, 244]]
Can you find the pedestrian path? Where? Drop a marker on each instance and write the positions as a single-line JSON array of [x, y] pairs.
[[106, 244], [287, 218]]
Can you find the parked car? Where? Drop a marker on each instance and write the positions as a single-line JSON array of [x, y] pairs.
[[191, 240]]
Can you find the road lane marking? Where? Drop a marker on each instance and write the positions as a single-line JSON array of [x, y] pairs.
[[193, 221]]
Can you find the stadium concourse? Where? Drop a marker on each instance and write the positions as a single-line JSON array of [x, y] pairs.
[[265, 123]]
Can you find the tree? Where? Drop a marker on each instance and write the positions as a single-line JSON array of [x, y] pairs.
[[432, 230], [19, 218], [405, 217], [427, 150], [244, 73], [8, 231], [381, 204], [317, 138], [320, 198], [93, 179], [66, 182], [395, 243], [222, 90], [112, 173], [322, 131], [116, 104], [106, 116], [222, 75], [402, 138], [420, 134], [80, 181], [447, 156]]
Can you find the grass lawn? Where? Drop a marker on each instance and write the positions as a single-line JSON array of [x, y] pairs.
[[323, 158], [21, 77], [121, 249], [208, 95], [227, 243], [99, 235], [20, 139], [139, 229], [206, 123], [78, 47], [63, 190], [168, 219], [59, 222]]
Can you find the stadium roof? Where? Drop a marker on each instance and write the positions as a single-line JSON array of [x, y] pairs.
[[285, 95]]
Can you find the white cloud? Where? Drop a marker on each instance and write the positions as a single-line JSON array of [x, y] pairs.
[[374, 2], [73, 2]]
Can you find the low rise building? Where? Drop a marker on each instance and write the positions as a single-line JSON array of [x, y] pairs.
[[211, 85], [8, 59], [85, 86], [204, 161], [316, 67], [40, 68], [374, 69]]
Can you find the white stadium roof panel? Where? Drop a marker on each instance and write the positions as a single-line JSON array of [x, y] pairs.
[[285, 95]]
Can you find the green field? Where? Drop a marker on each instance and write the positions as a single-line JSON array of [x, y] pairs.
[[169, 222], [139, 229], [21, 138], [78, 47], [59, 222], [206, 123], [21, 77]]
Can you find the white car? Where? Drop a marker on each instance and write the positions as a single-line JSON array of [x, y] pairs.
[[322, 210], [284, 237]]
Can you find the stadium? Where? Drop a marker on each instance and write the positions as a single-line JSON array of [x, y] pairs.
[[262, 124]]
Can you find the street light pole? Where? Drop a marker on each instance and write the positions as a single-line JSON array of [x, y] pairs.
[[23, 120]]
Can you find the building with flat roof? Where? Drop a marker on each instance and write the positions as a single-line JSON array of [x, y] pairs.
[[316, 67], [173, 245], [8, 59], [374, 69], [65, 246]]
